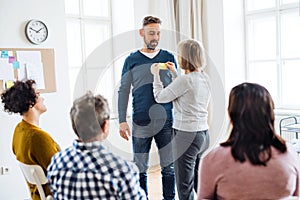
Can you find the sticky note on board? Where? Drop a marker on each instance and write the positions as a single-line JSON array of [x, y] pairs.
[[16, 64], [9, 84], [4, 54], [11, 59], [163, 66]]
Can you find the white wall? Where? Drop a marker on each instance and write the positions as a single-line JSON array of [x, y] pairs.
[[234, 45], [13, 16], [213, 39]]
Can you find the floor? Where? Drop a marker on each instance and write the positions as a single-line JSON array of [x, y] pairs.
[[154, 184]]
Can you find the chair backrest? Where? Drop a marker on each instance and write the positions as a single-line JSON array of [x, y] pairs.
[[34, 174]]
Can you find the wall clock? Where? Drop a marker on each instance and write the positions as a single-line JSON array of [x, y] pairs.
[[36, 31]]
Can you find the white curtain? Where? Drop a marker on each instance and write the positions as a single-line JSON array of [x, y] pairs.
[[183, 17], [188, 18]]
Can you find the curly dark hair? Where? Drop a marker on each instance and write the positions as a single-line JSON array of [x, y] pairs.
[[20, 97], [151, 20]]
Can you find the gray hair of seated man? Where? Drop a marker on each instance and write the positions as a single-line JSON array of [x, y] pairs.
[[88, 115]]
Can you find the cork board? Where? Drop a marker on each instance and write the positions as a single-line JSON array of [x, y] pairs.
[[48, 60]]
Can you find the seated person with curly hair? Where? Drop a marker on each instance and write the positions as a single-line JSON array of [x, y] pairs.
[[30, 144]]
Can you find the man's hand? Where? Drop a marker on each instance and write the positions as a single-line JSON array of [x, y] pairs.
[[124, 130], [155, 68]]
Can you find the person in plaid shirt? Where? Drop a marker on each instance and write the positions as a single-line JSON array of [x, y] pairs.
[[87, 170]]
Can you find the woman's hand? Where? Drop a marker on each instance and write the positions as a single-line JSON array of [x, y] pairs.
[[171, 66]]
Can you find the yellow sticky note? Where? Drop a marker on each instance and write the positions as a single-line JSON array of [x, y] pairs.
[[9, 84], [163, 66]]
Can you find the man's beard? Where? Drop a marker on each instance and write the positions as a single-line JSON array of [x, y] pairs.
[[152, 44]]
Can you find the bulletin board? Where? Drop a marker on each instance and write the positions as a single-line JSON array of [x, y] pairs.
[[48, 67]]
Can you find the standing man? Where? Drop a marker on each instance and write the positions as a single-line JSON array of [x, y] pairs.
[[150, 120]]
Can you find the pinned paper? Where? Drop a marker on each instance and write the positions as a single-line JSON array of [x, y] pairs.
[[4, 54], [22, 71], [35, 71], [32, 57], [6, 70], [16, 65], [11, 59]]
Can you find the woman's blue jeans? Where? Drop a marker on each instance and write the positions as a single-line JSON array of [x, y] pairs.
[[142, 135]]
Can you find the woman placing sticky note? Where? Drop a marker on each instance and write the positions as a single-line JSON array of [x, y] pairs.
[[163, 66]]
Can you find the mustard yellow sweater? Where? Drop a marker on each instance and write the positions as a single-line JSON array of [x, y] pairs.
[[32, 145]]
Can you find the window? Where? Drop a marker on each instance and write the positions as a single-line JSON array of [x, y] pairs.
[[88, 26], [272, 29], [94, 64]]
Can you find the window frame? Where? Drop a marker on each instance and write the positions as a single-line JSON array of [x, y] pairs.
[[277, 11], [87, 19]]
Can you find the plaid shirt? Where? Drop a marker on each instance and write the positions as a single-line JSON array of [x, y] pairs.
[[89, 171]]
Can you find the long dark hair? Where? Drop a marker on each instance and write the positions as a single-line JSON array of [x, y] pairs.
[[251, 111]]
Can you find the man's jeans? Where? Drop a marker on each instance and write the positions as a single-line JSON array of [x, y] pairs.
[[142, 135], [188, 149]]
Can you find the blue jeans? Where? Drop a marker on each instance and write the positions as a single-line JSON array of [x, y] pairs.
[[142, 135], [187, 151]]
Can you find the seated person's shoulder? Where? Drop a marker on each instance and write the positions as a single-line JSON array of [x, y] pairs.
[[218, 152]]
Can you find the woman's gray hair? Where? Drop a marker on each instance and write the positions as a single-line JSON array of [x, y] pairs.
[[191, 55], [88, 115]]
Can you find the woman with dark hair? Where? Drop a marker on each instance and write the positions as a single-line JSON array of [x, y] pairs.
[[254, 162], [30, 144]]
